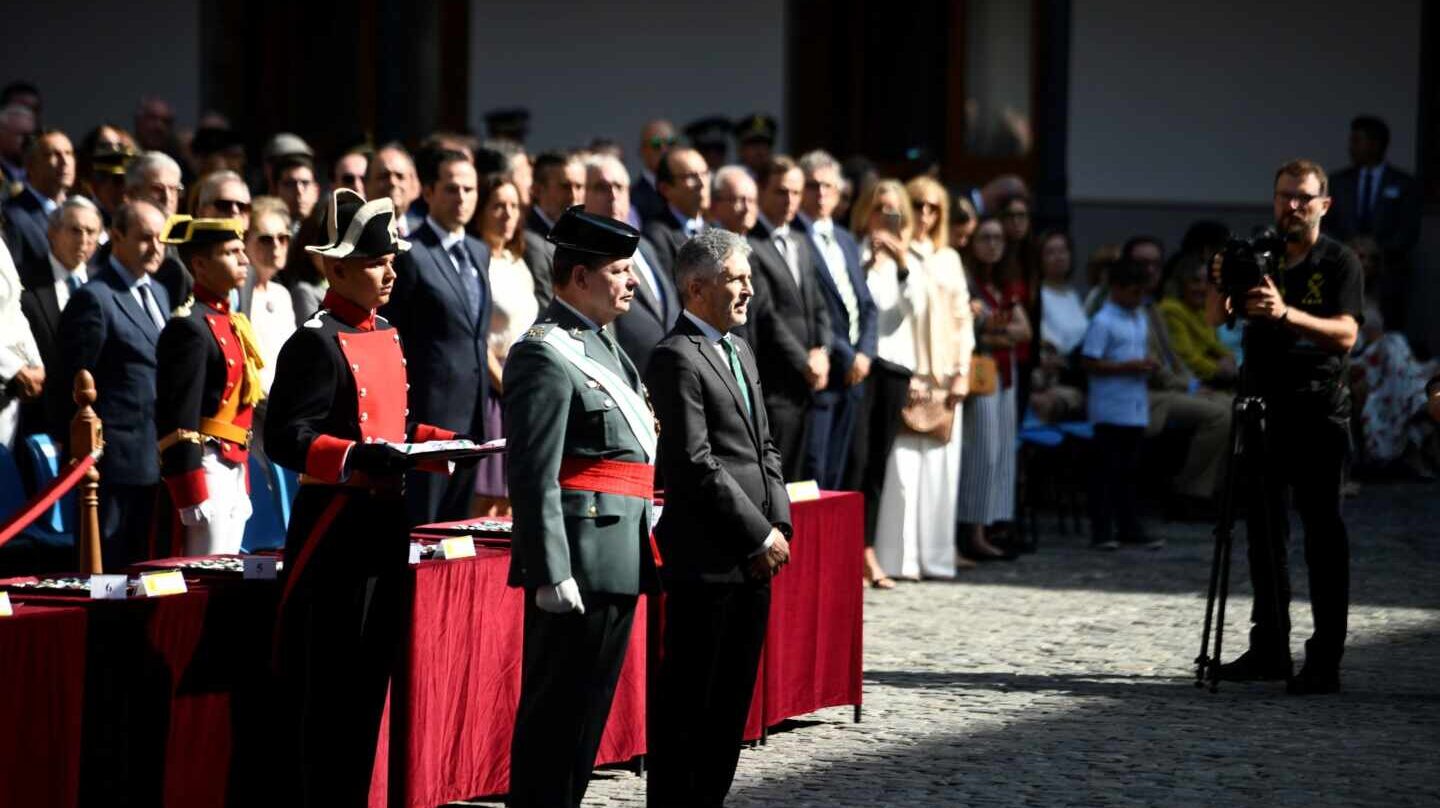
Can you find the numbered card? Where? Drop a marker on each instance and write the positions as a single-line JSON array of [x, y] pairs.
[[6, 609], [452, 549], [803, 491], [260, 568], [159, 584], [109, 587]]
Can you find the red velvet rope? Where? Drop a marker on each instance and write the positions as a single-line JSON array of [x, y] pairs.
[[48, 496]]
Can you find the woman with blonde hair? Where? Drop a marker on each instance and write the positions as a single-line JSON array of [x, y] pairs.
[[916, 530]]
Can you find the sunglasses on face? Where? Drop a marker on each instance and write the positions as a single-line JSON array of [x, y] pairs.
[[925, 206], [231, 205], [270, 240], [351, 179], [662, 142]]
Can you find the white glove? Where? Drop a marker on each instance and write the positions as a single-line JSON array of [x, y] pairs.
[[560, 598], [197, 514]]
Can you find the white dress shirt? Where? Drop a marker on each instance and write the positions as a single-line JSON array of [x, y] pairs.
[[688, 226], [147, 302], [646, 274], [17, 345], [272, 315], [62, 276], [834, 259]]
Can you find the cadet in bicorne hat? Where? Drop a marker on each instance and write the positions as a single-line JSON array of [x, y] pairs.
[[207, 384], [337, 403], [581, 447]]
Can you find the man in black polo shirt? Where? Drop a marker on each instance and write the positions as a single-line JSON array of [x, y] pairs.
[[1300, 327]]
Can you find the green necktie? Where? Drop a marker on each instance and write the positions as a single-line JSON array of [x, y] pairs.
[[739, 375]]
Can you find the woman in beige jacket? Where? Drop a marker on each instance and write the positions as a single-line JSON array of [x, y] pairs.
[[915, 536]]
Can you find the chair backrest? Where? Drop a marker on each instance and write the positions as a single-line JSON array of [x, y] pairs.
[[12, 488], [44, 458], [266, 529]]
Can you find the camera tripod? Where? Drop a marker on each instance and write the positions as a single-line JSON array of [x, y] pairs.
[[1248, 449]]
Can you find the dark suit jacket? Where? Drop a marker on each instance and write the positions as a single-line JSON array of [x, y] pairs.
[[723, 486], [789, 321], [842, 350], [445, 350], [648, 321], [667, 234], [48, 412], [540, 258], [172, 274], [646, 200], [105, 330], [1395, 222], [26, 229], [535, 224]]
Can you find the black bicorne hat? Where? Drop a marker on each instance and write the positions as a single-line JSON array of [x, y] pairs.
[[360, 229], [594, 235]]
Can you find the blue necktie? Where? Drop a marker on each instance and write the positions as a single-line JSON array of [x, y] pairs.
[[73, 281], [469, 280]]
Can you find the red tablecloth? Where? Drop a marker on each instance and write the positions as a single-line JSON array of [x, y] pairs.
[[449, 737], [813, 641], [42, 691]]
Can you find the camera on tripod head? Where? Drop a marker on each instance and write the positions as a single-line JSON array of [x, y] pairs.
[[1247, 262]]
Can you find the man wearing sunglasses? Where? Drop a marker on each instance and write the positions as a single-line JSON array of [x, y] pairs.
[[1300, 326], [656, 136]]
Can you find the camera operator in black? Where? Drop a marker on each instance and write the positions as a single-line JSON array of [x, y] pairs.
[[1300, 327]]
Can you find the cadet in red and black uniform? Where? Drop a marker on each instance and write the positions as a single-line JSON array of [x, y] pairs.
[[207, 385], [338, 400]]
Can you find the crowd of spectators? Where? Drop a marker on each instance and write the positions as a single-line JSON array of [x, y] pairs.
[[907, 332]]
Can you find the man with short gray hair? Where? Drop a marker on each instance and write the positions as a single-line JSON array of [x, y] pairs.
[[154, 177], [734, 200], [725, 529]]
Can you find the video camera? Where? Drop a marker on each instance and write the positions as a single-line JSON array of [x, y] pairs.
[[1246, 263]]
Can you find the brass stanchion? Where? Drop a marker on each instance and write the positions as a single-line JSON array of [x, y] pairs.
[[86, 437]]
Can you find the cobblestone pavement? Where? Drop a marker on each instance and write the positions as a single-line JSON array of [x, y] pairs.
[[1066, 679]]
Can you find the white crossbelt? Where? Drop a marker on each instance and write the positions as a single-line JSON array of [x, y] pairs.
[[630, 403]]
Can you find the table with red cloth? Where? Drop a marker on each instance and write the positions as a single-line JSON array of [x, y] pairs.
[[451, 714], [42, 693]]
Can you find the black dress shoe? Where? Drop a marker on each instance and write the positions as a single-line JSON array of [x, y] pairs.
[[1313, 682], [1253, 666]]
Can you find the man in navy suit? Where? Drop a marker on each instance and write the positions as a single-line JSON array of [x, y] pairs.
[[655, 138], [1372, 197], [441, 305], [639, 330], [683, 179], [110, 328], [852, 320], [50, 173]]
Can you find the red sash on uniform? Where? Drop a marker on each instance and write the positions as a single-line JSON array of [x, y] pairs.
[[619, 477]]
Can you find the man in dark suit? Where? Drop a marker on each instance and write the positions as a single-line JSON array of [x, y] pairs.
[[73, 234], [656, 305], [154, 177], [683, 180], [582, 478], [853, 332], [110, 328], [441, 305], [559, 185], [1372, 197], [724, 531], [655, 138], [50, 173], [792, 322]]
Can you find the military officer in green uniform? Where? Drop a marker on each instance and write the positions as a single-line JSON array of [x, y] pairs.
[[581, 445]]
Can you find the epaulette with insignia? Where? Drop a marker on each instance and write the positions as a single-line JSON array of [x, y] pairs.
[[538, 331], [14, 189], [183, 310]]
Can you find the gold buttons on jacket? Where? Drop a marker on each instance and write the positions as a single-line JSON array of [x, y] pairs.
[[594, 511]]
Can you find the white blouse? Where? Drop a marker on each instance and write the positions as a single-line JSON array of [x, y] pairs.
[[512, 288], [898, 305], [1062, 318]]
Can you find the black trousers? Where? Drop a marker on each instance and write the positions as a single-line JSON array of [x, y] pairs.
[[568, 673], [832, 426], [789, 423], [433, 497], [340, 634], [712, 642], [1305, 460], [126, 512], [877, 422], [1113, 482]]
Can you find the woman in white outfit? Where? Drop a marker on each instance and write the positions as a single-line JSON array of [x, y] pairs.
[[915, 532]]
